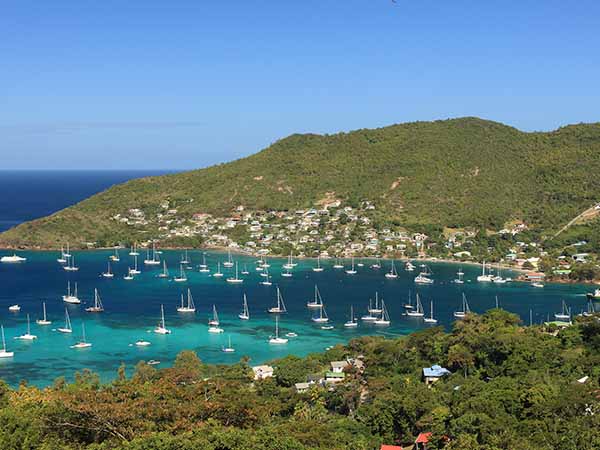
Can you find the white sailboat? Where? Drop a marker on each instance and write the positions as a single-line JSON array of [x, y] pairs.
[[83, 343], [236, 279], [27, 336], [218, 273], [409, 266], [165, 272], [70, 266], [67, 254], [213, 324], [203, 267], [245, 314], [409, 305], [318, 268], [133, 251], [108, 273], [62, 258], [418, 311], [377, 309], [161, 328], [352, 323], [98, 307], [229, 348], [189, 307], [276, 339], [317, 302], [142, 343], [384, 319], [351, 271], [67, 328], [44, 320], [430, 319], [484, 277], [465, 308], [129, 275], [422, 279], [245, 270], [289, 264], [154, 260], [14, 308], [376, 265], [392, 273], [4, 353], [115, 257], [565, 314], [135, 270], [369, 317], [287, 273], [280, 308], [338, 264], [229, 262], [322, 317], [71, 297], [181, 278], [184, 258], [267, 281]]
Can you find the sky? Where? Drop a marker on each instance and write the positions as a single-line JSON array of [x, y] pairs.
[[89, 84]]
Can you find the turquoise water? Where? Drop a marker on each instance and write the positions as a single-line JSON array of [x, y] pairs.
[[132, 309]]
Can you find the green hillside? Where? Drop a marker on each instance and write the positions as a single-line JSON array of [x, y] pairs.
[[461, 172]]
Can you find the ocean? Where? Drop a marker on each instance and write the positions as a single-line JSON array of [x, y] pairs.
[[132, 308]]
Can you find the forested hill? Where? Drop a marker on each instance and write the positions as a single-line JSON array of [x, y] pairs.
[[460, 172]]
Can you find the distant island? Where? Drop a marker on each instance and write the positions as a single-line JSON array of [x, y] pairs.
[[464, 189]]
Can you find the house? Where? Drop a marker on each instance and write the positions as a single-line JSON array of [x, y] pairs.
[[302, 387], [434, 373], [262, 372], [334, 377], [390, 447], [338, 366], [422, 441]]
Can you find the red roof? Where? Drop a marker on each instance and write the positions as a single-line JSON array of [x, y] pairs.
[[390, 447], [423, 438]]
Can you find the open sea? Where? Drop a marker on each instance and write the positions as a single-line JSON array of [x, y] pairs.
[[132, 308]]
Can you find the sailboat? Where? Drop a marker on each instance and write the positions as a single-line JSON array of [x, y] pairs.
[[484, 277], [44, 320], [287, 273], [498, 279], [135, 270], [376, 265], [182, 276], [129, 275], [71, 297], [267, 280], [351, 271], [409, 305], [338, 264], [83, 343], [565, 314], [317, 302], [204, 267], [4, 353], [465, 308], [218, 273], [430, 319], [98, 307], [352, 323], [154, 260], [385, 317], [290, 264], [213, 324], [142, 343], [62, 258], [184, 258], [280, 308], [71, 267], [115, 257], [265, 264], [409, 266], [245, 314], [133, 251], [108, 273], [27, 336], [322, 317], [190, 307], [165, 272], [14, 308], [369, 317], [229, 348], [318, 268], [245, 270], [590, 309], [276, 339], [229, 262], [161, 328], [423, 277], [392, 273], [460, 274], [377, 309], [418, 311], [67, 328], [236, 279]]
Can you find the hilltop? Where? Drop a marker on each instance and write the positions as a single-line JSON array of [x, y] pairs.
[[455, 173]]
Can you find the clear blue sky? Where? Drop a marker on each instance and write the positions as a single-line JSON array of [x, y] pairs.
[[184, 84]]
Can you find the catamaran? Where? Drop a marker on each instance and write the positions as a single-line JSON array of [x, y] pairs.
[[70, 266], [108, 273], [276, 339], [71, 297], [351, 271], [165, 272], [67, 328], [213, 324], [229, 262], [154, 261], [218, 273], [181, 278], [460, 274], [44, 320], [115, 257], [317, 302], [465, 308], [565, 314], [133, 251], [245, 314], [229, 348], [12, 259], [484, 277], [338, 264], [430, 319], [83, 343], [322, 317], [392, 273], [236, 279], [98, 307], [318, 268], [280, 308], [4, 353], [161, 328], [384, 319], [27, 336], [352, 323], [418, 311], [190, 307]]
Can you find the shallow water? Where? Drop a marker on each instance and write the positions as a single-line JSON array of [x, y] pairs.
[[132, 309]]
